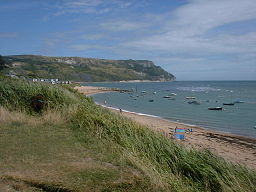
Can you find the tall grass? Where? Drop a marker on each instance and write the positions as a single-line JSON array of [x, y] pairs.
[[17, 94], [167, 165]]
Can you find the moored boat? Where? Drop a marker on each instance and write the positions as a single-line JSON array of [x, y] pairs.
[[214, 108], [228, 103]]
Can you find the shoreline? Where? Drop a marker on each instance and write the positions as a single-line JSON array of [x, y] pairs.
[[234, 148]]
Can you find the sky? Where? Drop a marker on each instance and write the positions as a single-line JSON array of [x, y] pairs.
[[192, 39]]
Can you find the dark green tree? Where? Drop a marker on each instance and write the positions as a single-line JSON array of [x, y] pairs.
[[2, 63]]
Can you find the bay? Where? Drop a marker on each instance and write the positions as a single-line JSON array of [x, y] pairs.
[[148, 98]]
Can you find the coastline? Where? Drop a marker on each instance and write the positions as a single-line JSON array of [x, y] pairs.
[[234, 148]]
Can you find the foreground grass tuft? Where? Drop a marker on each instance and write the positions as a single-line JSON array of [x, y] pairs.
[[75, 145]]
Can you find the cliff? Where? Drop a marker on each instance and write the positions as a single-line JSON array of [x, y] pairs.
[[85, 69]]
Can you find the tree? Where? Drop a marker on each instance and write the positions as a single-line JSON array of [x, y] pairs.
[[2, 63]]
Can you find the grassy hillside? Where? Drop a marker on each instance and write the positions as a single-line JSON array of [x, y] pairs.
[[74, 145], [85, 69]]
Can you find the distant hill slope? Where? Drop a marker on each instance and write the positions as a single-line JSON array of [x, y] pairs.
[[85, 69]]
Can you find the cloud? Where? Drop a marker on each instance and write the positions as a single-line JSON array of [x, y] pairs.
[[82, 47], [122, 25], [199, 16], [9, 35], [92, 36], [185, 31], [89, 6], [82, 3]]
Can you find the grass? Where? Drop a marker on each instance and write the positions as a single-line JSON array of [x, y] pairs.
[[74, 145]]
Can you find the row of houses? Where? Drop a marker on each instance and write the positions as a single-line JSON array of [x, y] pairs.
[[51, 81]]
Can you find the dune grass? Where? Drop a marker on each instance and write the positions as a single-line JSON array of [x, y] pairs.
[[74, 145]]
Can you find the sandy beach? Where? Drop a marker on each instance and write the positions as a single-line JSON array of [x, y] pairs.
[[89, 90], [234, 148]]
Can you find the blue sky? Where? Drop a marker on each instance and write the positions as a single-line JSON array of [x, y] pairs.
[[192, 39]]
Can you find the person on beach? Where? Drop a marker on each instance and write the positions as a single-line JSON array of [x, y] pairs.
[[120, 110]]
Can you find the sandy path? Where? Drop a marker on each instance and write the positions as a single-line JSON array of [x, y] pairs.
[[237, 149]]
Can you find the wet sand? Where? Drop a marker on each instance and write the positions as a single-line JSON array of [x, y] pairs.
[[234, 148]]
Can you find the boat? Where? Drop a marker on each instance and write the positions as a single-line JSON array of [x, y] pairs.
[[238, 101], [151, 100], [194, 102], [214, 108], [173, 94], [228, 103], [167, 96], [190, 97]]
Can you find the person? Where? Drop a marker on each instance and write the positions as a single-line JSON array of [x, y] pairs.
[[175, 129], [120, 110]]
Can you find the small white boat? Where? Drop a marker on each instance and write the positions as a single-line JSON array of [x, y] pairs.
[[173, 94], [190, 97], [167, 96]]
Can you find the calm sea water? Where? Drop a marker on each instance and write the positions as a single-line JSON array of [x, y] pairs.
[[147, 98]]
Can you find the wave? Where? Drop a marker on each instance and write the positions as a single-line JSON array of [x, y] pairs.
[[197, 89]]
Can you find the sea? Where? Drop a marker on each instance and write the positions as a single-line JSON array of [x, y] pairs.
[[173, 101]]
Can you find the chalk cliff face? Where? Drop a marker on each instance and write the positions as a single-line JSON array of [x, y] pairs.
[[85, 69]]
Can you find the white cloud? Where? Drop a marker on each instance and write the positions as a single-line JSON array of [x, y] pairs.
[[90, 6], [185, 30], [82, 47], [122, 25], [199, 16], [82, 3]]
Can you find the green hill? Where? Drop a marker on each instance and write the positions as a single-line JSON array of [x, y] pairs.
[[75, 145], [85, 69]]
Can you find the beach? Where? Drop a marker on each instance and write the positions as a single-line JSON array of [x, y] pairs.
[[89, 90], [234, 148]]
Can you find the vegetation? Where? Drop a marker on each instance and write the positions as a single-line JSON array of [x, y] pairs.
[[2, 63], [85, 69], [75, 145]]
